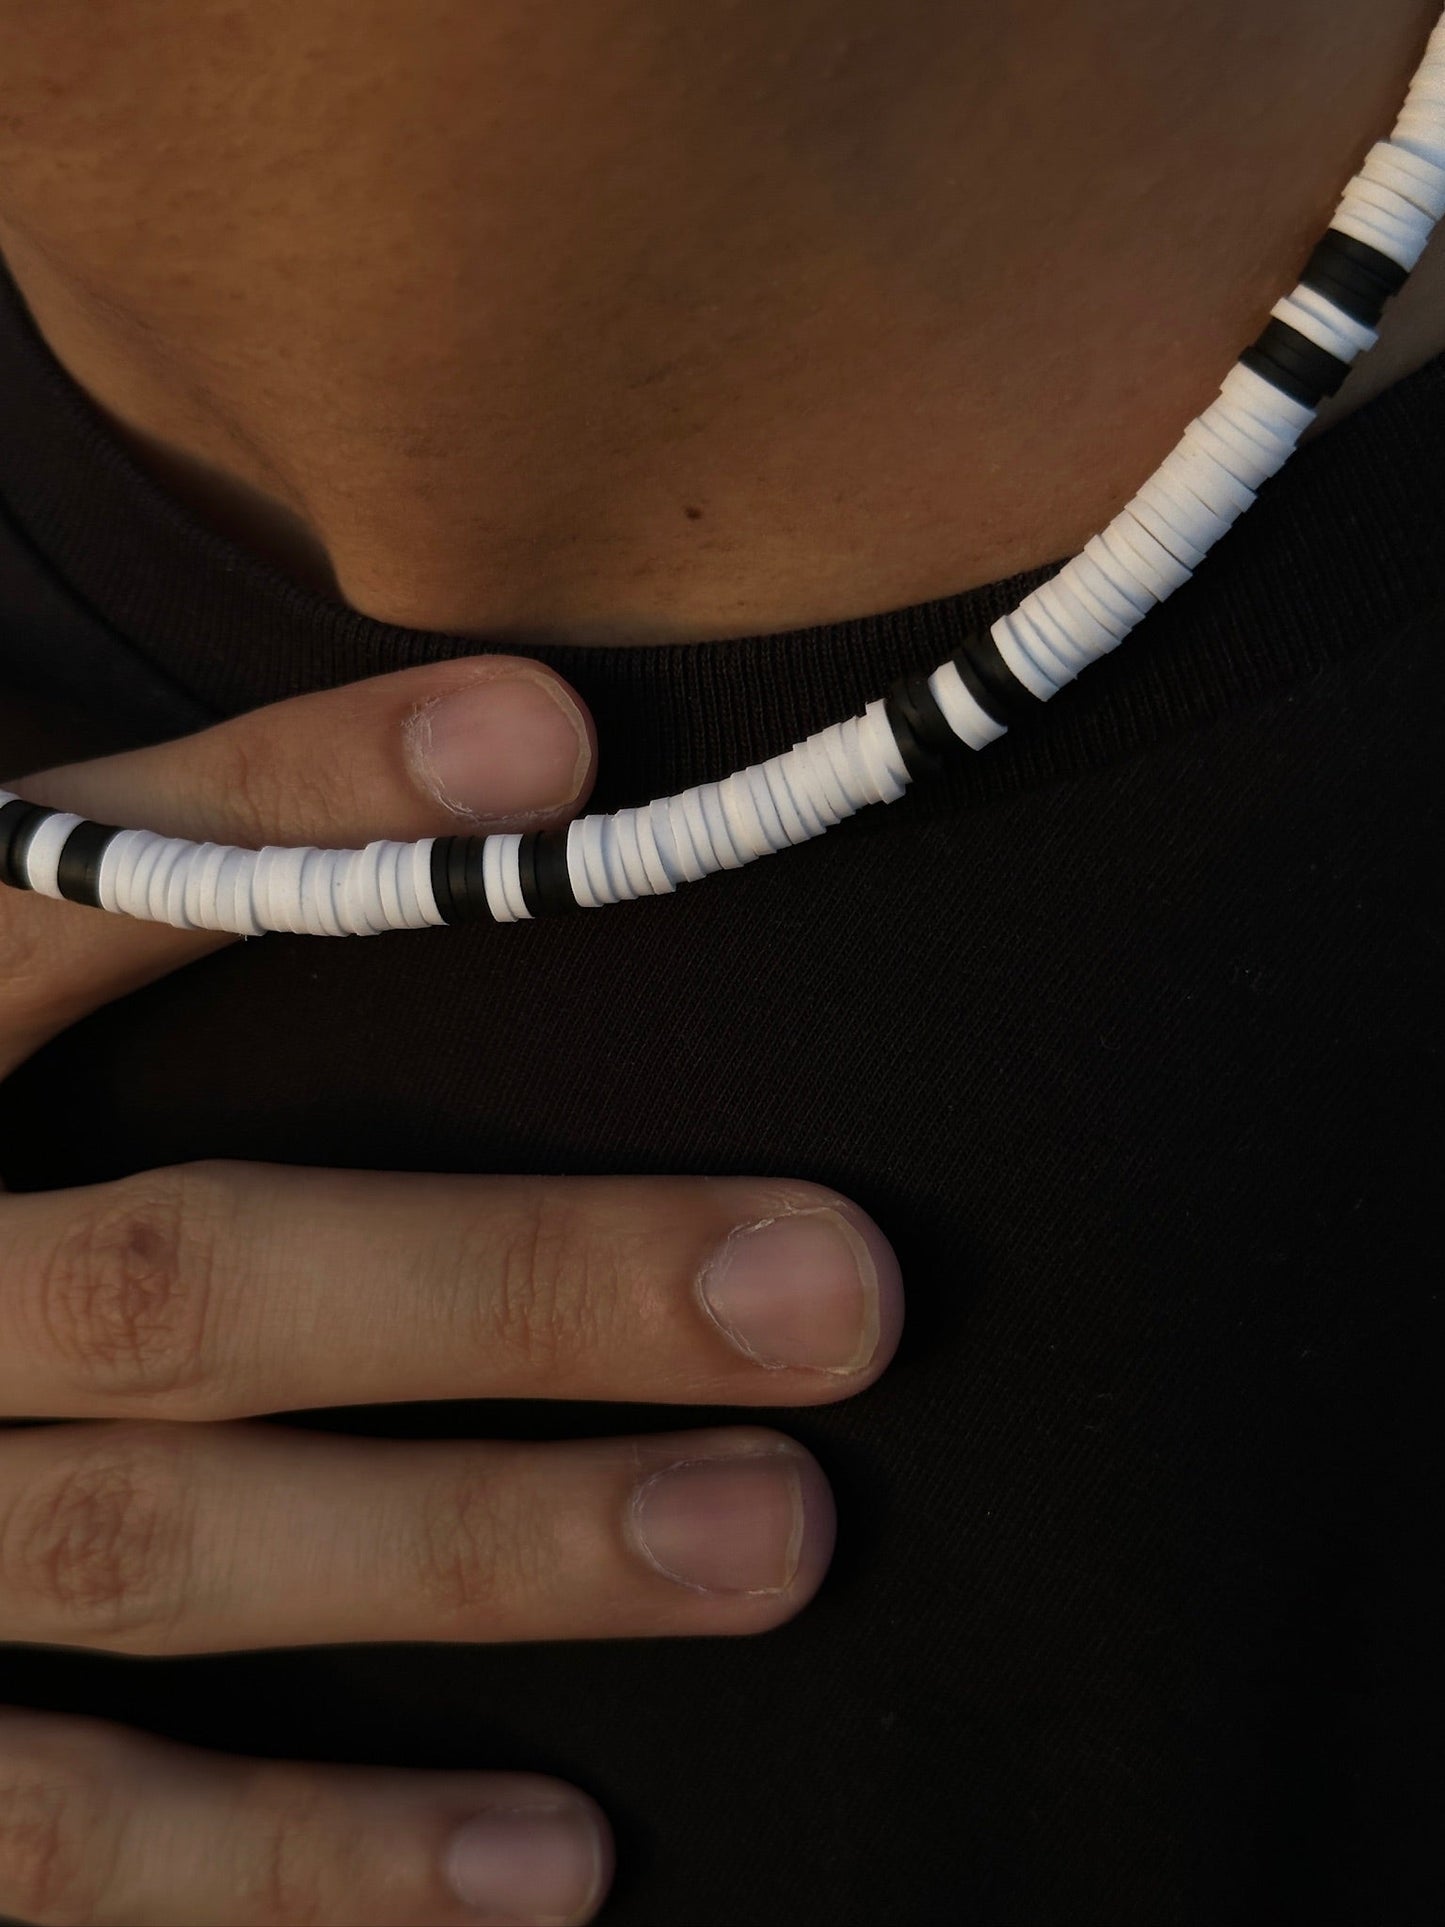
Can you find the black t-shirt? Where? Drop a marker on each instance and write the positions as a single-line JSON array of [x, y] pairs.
[[1120, 1030]]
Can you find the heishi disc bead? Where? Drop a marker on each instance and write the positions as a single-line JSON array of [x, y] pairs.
[[811, 796], [1165, 533], [1158, 568], [1233, 439], [1124, 610], [1314, 315], [1069, 637], [659, 818], [599, 858], [117, 867], [1276, 418], [969, 722], [659, 878], [686, 838], [740, 804], [766, 803], [387, 886], [1069, 604], [199, 904], [629, 853], [1419, 181], [1367, 191], [1053, 653], [770, 812], [360, 903], [1021, 664], [610, 849], [313, 888], [338, 881], [826, 782], [158, 885], [1421, 130], [1122, 570], [837, 748], [1197, 469], [42, 858], [694, 826], [499, 878], [732, 854], [1113, 614], [587, 863], [1384, 220], [425, 911], [885, 765], [234, 894], [1194, 520], [307, 910], [792, 787], [1046, 617], [134, 874]]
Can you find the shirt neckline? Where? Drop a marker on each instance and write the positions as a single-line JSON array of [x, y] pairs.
[[1342, 545]]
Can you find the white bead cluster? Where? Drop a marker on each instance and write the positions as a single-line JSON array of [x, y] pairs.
[[768, 806], [319, 893], [1156, 541], [213, 886]]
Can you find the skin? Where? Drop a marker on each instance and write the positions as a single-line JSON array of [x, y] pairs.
[[537, 324], [166, 1310], [549, 325]]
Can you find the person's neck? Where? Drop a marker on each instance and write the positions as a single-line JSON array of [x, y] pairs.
[[734, 322]]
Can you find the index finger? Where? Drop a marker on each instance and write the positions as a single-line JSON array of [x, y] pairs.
[[340, 767]]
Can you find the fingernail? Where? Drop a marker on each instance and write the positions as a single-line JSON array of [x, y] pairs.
[[500, 748], [723, 1525], [797, 1290], [535, 1865]]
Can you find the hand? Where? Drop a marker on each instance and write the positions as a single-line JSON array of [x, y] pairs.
[[166, 1308]]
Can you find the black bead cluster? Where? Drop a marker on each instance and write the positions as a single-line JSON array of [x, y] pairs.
[[925, 739], [1359, 280]]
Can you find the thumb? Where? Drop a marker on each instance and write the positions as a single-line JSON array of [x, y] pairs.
[[471, 747]]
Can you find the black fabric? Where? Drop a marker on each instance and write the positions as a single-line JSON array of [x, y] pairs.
[[1120, 1028]]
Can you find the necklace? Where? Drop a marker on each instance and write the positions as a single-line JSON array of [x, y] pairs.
[[1379, 230]]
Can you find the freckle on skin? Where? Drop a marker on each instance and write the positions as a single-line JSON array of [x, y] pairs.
[[693, 515]]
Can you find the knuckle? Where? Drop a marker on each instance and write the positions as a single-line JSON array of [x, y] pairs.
[[268, 799], [248, 782], [294, 1864], [478, 1546], [96, 1547], [549, 1285], [26, 979], [126, 1297], [57, 1830]]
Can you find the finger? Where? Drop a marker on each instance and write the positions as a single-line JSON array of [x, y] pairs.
[[172, 1539], [101, 1827], [225, 1289], [486, 743]]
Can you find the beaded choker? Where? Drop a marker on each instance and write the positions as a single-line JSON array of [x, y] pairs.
[[996, 676]]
